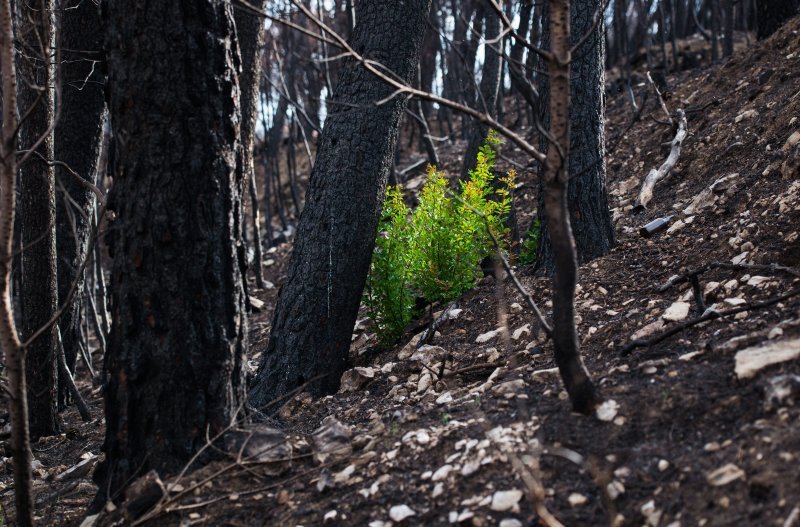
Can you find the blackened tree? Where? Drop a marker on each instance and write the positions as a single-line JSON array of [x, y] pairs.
[[39, 293], [174, 359], [773, 13], [78, 136], [318, 303], [587, 197]]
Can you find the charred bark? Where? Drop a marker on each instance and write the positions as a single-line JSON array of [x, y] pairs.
[[587, 198], [39, 291], [318, 303], [174, 360], [78, 139]]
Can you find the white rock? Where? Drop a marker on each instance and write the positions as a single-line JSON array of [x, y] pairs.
[[675, 227], [756, 281], [676, 312], [731, 285], [651, 513], [344, 475], [515, 308], [445, 398], [663, 465], [470, 467], [505, 500], [438, 490], [649, 329], [724, 475], [751, 360], [608, 410], [442, 473], [775, 333], [464, 516], [399, 513], [747, 114], [524, 331], [330, 515], [424, 382], [576, 499], [510, 522], [486, 337]]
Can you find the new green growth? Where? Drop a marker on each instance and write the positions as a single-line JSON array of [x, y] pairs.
[[434, 252]]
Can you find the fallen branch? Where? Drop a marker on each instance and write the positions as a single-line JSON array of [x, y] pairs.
[[708, 315], [646, 193], [764, 268]]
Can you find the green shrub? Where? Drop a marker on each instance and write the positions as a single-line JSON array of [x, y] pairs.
[[388, 298], [435, 252]]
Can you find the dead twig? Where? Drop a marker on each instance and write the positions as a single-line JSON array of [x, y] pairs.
[[763, 268], [708, 315], [656, 175]]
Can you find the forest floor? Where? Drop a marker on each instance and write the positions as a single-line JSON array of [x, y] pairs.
[[475, 429]]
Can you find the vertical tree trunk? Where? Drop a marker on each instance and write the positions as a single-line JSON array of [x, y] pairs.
[[78, 138], [174, 360], [10, 344], [318, 303], [588, 197], [250, 31], [565, 337], [486, 98], [771, 14], [39, 292]]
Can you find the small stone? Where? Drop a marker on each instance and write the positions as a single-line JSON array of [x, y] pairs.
[[724, 475], [330, 515], [442, 473], [775, 333], [438, 490], [486, 337], [515, 308], [424, 382], [505, 500], [747, 114], [355, 379], [524, 331], [510, 522], [445, 398], [649, 329], [750, 361], [608, 410], [615, 489], [576, 499], [399, 513], [676, 312], [663, 465]]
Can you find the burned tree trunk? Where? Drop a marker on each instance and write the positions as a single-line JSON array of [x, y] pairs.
[[174, 360], [772, 14], [250, 30], [39, 292], [78, 137], [318, 303], [565, 336], [588, 198]]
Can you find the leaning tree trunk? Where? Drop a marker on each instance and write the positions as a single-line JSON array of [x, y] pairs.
[[39, 292], [78, 138], [174, 360], [587, 198], [319, 301]]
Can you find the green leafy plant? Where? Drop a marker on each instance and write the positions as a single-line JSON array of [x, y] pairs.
[[388, 297], [530, 245], [435, 250]]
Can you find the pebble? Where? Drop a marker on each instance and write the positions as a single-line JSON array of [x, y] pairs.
[[663, 465], [576, 499], [399, 513], [510, 522], [505, 500], [442, 473]]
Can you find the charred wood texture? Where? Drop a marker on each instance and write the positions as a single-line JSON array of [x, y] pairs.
[[318, 303], [78, 139], [174, 360]]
